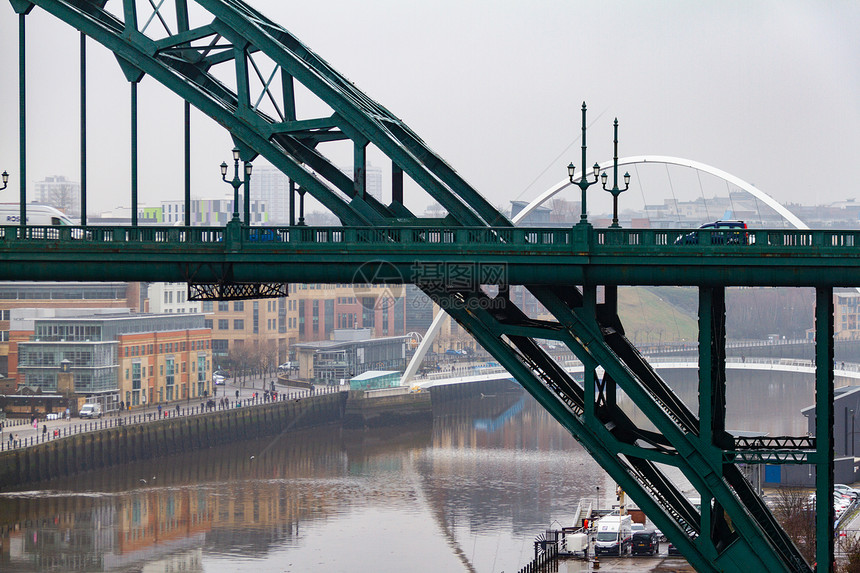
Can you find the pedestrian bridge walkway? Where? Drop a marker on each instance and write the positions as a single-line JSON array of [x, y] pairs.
[[845, 374]]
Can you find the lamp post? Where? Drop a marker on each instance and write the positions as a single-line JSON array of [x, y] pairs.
[[5, 180], [583, 183], [615, 190], [236, 182]]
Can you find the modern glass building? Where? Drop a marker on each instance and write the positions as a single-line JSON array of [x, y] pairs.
[[162, 357]]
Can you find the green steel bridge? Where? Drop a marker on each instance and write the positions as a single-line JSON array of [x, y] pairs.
[[465, 261]]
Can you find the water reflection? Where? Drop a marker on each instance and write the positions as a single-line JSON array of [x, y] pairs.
[[468, 492]]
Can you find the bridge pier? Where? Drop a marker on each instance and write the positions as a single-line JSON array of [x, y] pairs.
[[824, 515]]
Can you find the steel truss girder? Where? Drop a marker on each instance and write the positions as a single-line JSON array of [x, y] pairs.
[[753, 541], [236, 291], [185, 69], [772, 450]]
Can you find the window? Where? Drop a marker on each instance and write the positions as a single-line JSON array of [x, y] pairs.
[[207, 323], [238, 324], [207, 306], [239, 305], [223, 324], [223, 306], [169, 380]]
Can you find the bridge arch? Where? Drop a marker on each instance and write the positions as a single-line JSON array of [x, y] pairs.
[[438, 320], [217, 56], [668, 160]]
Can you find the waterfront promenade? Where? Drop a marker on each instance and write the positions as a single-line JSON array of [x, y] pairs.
[[24, 434]]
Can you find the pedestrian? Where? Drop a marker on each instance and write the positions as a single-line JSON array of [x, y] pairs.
[[122, 406], [16, 440], [177, 409], [237, 394], [159, 410], [44, 430]]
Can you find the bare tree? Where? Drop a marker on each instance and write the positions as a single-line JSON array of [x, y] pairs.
[[795, 511], [850, 548]]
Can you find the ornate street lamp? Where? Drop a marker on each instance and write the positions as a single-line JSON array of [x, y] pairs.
[[236, 182], [583, 182], [615, 190], [5, 180]]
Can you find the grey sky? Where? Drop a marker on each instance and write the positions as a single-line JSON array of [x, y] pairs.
[[767, 91]]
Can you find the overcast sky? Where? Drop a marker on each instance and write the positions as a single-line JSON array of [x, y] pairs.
[[767, 91]]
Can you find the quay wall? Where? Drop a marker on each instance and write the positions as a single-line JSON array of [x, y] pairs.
[[123, 444], [380, 408]]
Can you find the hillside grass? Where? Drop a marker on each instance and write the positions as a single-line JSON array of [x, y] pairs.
[[649, 317]]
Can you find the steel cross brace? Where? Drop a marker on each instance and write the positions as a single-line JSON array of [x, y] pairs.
[[705, 471], [772, 550], [630, 473]]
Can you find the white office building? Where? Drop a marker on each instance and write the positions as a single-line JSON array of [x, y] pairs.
[[59, 192], [273, 188], [171, 298]]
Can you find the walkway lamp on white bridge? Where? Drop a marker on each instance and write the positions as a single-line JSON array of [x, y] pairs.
[[5, 180], [583, 182], [615, 190], [236, 182]]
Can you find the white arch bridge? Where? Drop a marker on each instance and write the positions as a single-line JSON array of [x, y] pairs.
[[438, 321]]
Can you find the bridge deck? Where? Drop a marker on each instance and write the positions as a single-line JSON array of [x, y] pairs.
[[764, 257]]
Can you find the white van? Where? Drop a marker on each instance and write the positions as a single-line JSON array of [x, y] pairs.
[[90, 411], [37, 215], [614, 535]]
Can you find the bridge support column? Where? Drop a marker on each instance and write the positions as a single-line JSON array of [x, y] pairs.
[[712, 390], [824, 515]]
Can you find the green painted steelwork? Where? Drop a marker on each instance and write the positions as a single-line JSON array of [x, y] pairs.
[[824, 513], [83, 104], [133, 158], [732, 531], [523, 255]]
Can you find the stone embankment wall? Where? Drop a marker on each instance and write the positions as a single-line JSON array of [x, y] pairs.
[[128, 443]]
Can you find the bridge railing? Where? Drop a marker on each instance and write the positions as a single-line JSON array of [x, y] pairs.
[[562, 238]]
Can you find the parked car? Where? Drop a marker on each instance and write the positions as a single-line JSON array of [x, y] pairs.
[[846, 490], [645, 542], [90, 411], [672, 550], [735, 234]]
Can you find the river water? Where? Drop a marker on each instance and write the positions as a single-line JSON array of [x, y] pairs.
[[468, 492]]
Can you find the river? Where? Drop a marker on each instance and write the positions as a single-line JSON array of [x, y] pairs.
[[468, 492]]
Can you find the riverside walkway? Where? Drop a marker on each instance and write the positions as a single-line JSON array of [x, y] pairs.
[[24, 434]]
